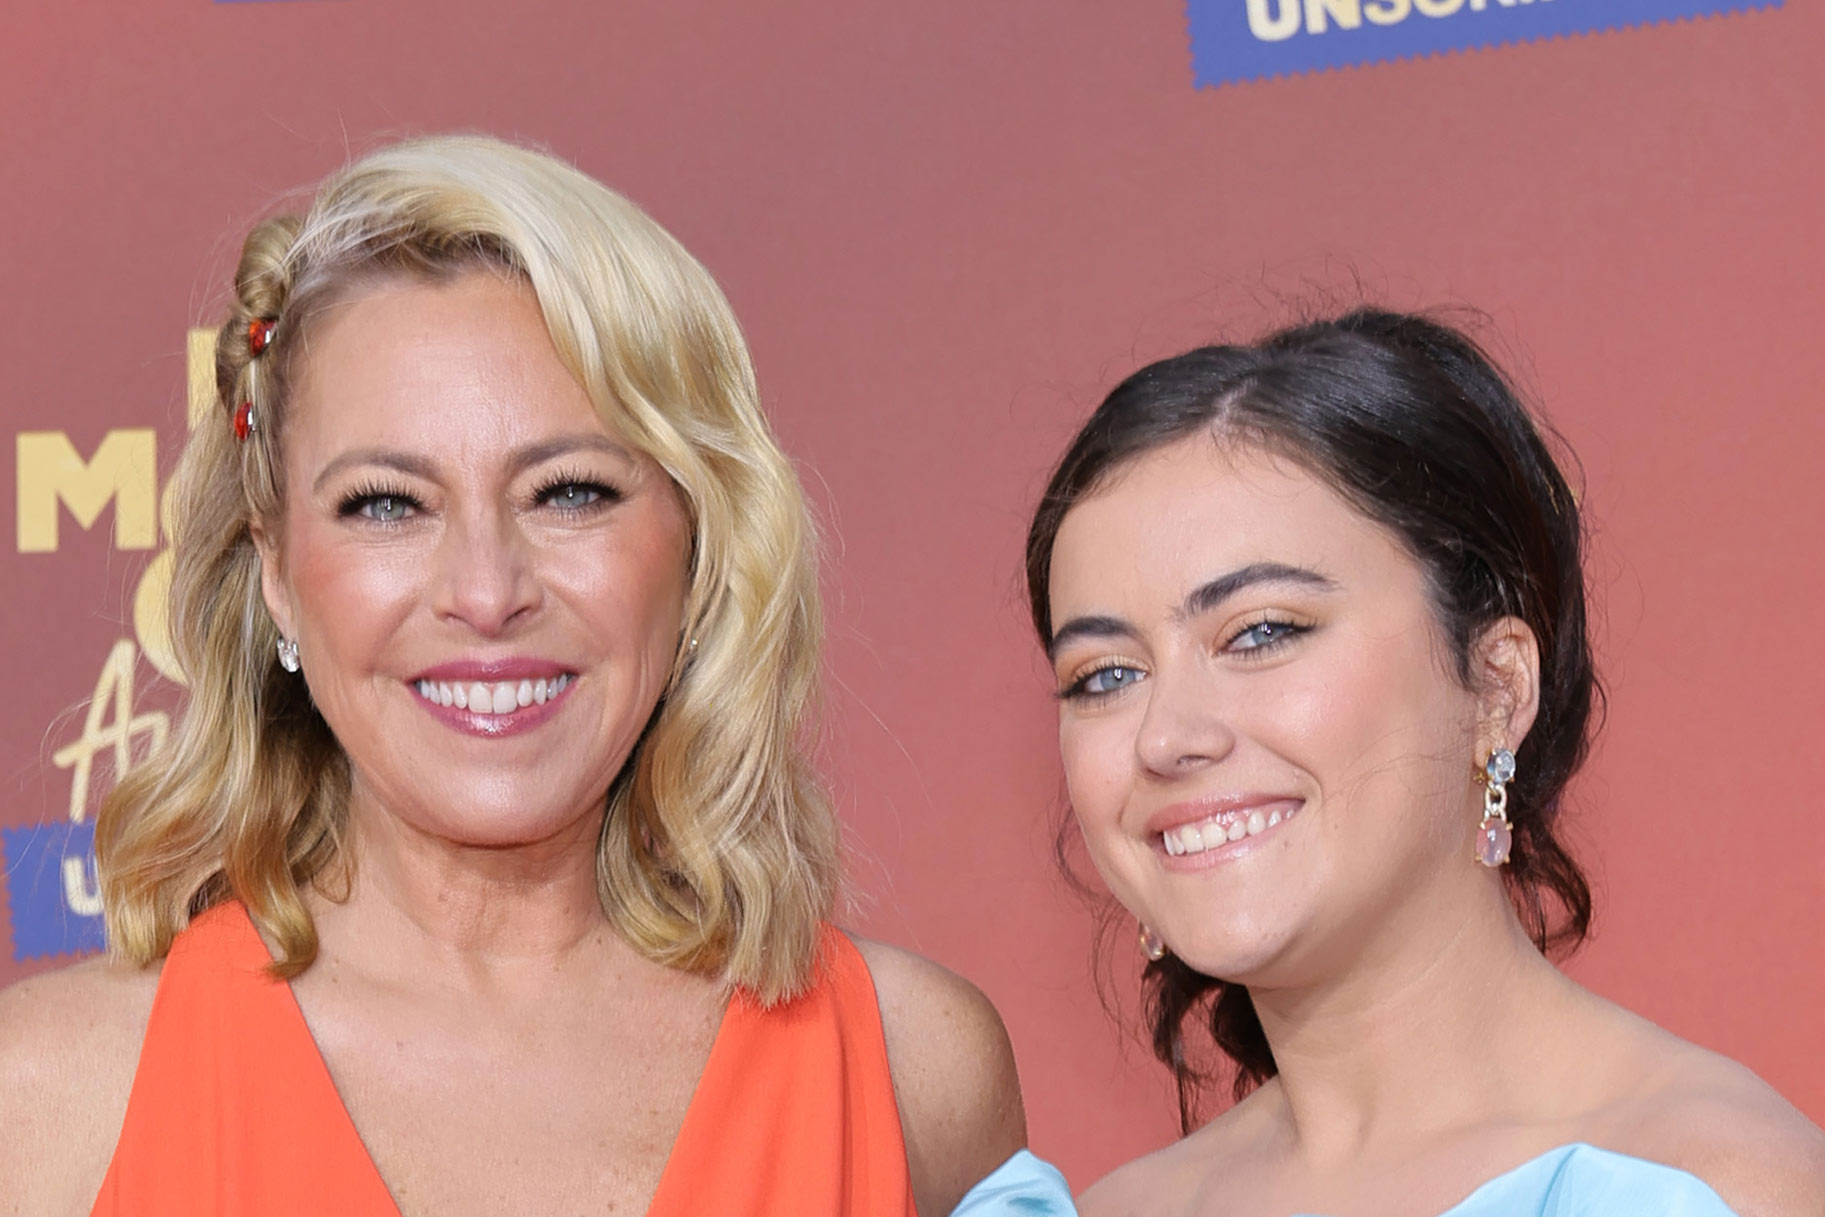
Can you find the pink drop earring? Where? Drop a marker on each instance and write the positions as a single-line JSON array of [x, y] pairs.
[[1494, 836]]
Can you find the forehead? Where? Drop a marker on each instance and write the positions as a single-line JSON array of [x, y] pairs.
[[1178, 516], [461, 362]]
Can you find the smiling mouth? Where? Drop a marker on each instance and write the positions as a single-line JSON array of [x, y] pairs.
[[493, 697], [1222, 829]]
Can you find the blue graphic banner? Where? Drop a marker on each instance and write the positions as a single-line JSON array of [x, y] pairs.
[[1242, 40], [51, 889]]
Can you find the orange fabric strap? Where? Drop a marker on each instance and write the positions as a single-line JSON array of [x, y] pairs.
[[795, 1113]]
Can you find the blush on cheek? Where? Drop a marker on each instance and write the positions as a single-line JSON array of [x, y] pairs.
[[351, 588]]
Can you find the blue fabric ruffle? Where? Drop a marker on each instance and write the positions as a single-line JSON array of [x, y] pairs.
[[1572, 1181], [1581, 1180], [1023, 1186]]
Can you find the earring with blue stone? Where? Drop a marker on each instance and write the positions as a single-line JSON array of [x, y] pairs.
[[1494, 835]]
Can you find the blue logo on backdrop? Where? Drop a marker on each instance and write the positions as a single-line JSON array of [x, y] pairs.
[[1239, 40], [51, 889]]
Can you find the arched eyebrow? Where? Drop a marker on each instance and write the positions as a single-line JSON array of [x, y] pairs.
[[1212, 595], [1204, 598]]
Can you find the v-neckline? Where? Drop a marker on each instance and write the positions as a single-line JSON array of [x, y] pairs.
[[736, 1011]]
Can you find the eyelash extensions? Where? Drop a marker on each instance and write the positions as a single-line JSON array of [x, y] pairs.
[[357, 500]]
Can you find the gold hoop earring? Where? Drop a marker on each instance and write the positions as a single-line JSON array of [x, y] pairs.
[[1152, 945]]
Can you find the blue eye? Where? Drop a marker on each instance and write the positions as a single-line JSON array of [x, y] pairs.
[[1104, 681], [379, 505], [572, 496], [575, 494], [386, 508], [1264, 634]]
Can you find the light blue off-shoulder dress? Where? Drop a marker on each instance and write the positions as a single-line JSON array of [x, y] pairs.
[[1584, 1181], [1020, 1187], [1571, 1181]]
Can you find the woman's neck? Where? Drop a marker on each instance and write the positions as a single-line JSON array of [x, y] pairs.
[[1440, 1022], [460, 909]]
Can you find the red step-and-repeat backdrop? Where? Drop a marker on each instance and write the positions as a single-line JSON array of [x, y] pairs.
[[949, 227]]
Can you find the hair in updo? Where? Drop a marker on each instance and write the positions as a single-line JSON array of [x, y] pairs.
[[718, 852], [1412, 424]]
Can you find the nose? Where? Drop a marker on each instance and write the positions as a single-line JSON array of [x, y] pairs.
[[1183, 728], [484, 573]]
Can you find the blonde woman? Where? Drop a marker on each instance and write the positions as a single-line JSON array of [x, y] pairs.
[[486, 872]]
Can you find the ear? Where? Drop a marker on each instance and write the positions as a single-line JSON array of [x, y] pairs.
[[273, 588], [1505, 661]]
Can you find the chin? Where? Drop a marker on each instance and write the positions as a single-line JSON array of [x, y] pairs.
[[1238, 958], [483, 813], [505, 825], [508, 830]]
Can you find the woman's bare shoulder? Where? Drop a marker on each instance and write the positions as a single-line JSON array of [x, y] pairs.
[[1714, 1118], [1177, 1178], [1158, 1182], [953, 1074], [69, 1045]]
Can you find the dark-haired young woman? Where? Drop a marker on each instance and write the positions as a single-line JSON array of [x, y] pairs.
[[1316, 612]]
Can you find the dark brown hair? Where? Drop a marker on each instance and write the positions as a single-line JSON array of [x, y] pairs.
[[1415, 426]]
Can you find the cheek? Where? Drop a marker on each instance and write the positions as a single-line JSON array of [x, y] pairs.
[[1098, 757], [362, 591], [1331, 719], [636, 587], [1381, 730], [660, 582]]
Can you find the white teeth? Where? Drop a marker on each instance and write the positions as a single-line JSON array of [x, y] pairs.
[[503, 697], [1209, 834]]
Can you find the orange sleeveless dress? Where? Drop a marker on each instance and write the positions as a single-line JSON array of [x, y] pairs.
[[233, 1111]]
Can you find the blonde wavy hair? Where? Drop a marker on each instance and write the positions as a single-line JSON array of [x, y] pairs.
[[718, 853]]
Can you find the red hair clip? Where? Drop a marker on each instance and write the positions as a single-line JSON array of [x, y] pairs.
[[259, 337]]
